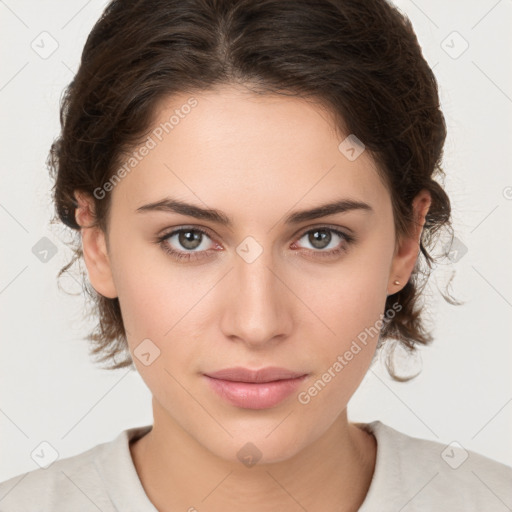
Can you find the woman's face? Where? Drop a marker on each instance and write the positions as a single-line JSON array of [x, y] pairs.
[[262, 290]]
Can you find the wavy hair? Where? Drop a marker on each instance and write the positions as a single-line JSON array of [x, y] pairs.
[[360, 59]]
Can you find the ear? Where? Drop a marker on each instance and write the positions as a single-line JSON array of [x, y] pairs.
[[94, 248], [408, 249]]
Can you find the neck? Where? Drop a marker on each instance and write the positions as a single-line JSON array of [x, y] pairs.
[[331, 474]]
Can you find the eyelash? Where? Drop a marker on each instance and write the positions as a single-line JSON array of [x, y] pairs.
[[347, 240]]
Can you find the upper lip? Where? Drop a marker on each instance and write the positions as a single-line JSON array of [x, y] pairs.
[[268, 374]]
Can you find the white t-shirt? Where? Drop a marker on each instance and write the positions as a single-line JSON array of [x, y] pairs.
[[411, 474]]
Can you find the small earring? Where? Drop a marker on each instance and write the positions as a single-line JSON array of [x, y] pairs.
[[396, 282]]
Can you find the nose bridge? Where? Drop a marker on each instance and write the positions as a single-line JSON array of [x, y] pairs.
[[257, 306]]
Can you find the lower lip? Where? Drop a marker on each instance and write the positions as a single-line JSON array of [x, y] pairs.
[[249, 395]]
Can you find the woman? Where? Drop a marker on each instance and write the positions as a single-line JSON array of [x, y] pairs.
[[253, 183]]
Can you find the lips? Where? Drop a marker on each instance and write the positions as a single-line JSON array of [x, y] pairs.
[[268, 374], [254, 389]]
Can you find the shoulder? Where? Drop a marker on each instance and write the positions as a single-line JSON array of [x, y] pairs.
[[53, 487], [428, 474], [74, 483]]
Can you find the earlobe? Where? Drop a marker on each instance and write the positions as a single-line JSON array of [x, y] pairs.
[[94, 249], [408, 251]]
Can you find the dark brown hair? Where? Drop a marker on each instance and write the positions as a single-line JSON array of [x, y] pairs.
[[359, 58]]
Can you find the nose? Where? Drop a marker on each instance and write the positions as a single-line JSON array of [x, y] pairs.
[[258, 306]]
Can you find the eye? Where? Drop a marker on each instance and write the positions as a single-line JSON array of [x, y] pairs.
[[185, 243], [325, 237], [191, 244]]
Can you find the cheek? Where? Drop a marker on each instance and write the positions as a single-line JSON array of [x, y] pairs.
[[344, 345], [348, 327], [351, 296], [157, 312], [161, 302], [153, 292], [349, 303]]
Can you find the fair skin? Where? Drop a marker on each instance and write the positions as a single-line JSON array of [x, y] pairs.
[[257, 159]]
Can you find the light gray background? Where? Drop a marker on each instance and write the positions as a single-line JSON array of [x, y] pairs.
[[50, 390]]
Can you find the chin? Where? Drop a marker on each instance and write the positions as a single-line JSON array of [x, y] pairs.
[[255, 444]]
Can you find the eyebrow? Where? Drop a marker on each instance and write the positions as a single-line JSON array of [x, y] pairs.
[[175, 206]]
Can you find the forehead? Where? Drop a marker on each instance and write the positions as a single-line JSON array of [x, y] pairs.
[[266, 150]]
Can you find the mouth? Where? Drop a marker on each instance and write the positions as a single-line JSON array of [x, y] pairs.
[[254, 389]]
